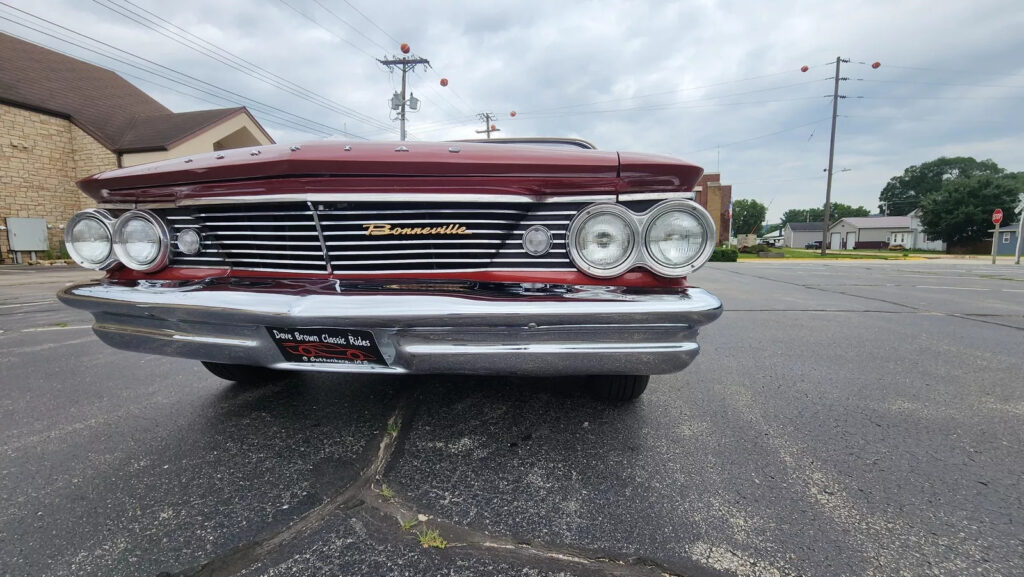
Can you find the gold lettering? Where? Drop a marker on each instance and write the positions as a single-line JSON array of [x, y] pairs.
[[379, 228]]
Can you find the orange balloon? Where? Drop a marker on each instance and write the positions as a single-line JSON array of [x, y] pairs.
[[444, 82], [876, 65], [804, 68], [494, 127], [512, 114], [405, 48]]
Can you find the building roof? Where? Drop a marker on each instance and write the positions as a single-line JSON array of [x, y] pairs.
[[104, 105], [156, 131], [876, 221], [806, 226]]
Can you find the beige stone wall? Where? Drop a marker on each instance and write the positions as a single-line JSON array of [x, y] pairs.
[[41, 158]]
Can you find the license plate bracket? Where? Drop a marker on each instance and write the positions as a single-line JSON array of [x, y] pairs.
[[319, 345]]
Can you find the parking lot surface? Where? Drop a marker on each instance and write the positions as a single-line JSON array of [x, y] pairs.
[[843, 418]]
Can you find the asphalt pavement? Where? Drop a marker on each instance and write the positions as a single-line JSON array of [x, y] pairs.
[[843, 418]]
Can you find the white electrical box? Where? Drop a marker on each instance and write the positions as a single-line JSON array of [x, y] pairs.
[[27, 234]]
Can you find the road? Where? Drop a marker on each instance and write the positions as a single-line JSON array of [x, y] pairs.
[[844, 418]]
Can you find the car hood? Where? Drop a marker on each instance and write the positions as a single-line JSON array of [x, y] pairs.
[[398, 167]]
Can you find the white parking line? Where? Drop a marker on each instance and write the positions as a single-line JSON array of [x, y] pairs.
[[37, 329], [27, 304], [953, 288]]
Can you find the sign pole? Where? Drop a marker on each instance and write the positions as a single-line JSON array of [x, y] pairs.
[[1020, 228], [997, 217]]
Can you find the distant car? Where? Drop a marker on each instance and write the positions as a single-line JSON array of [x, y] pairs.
[[468, 258], [816, 245], [897, 247]]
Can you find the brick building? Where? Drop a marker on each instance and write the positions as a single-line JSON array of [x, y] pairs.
[[716, 197], [62, 119]]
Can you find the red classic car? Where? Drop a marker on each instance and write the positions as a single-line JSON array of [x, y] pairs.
[[457, 257]]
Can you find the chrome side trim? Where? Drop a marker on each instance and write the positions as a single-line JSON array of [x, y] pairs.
[[366, 197], [657, 196]]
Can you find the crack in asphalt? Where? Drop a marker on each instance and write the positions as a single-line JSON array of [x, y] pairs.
[[364, 492]]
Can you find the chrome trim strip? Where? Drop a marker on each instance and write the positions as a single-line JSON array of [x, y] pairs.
[[320, 235], [389, 197], [657, 196]]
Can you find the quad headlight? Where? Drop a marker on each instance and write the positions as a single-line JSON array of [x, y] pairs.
[[675, 238], [141, 241], [87, 237]]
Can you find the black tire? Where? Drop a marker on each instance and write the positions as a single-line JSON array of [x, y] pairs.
[[618, 388], [244, 374]]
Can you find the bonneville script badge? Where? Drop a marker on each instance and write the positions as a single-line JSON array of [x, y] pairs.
[[376, 229]]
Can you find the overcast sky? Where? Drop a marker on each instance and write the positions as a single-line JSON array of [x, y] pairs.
[[716, 83]]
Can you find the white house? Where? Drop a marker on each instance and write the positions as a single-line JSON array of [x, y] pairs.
[[800, 234]]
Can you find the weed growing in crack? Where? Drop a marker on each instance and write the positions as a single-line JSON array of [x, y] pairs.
[[431, 538], [406, 525], [386, 492], [393, 427]]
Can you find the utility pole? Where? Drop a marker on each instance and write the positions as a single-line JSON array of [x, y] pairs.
[[487, 117], [831, 157], [832, 146], [1020, 228], [399, 100]]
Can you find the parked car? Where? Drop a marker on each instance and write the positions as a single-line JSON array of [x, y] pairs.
[[816, 245], [401, 258], [897, 247]]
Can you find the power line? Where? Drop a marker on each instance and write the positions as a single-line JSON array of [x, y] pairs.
[[202, 46], [345, 22], [255, 104], [370, 20], [328, 30], [752, 138]]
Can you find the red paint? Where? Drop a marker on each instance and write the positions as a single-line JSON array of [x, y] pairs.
[[997, 216], [636, 278], [376, 167]]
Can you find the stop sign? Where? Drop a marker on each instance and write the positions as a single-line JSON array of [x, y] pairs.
[[997, 216]]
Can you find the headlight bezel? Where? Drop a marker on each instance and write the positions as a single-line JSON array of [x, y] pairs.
[[106, 220], [576, 226], [702, 256], [162, 257], [640, 223]]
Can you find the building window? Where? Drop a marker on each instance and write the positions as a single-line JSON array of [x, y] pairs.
[[1006, 238]]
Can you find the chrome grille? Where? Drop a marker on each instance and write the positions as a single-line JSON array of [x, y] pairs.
[[332, 237]]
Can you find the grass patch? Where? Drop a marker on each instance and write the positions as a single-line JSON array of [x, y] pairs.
[[406, 525], [431, 538], [393, 427], [386, 492]]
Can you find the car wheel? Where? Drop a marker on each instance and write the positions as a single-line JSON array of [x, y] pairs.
[[245, 374], [618, 388]]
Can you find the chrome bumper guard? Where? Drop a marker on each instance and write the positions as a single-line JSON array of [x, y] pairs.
[[419, 326]]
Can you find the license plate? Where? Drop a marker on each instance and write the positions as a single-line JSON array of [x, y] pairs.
[[327, 345]]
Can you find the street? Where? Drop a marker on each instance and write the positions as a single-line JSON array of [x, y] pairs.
[[843, 418]]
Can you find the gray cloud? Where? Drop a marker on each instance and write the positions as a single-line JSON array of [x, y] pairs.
[[715, 82]]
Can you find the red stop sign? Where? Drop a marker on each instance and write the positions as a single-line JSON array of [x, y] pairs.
[[997, 216]]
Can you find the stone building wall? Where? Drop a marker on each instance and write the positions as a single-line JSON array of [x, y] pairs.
[[41, 158]]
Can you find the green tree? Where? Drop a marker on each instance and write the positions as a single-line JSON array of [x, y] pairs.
[[961, 211], [905, 192], [747, 216], [838, 211]]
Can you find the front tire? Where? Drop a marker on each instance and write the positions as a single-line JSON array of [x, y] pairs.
[[244, 374], [618, 388]]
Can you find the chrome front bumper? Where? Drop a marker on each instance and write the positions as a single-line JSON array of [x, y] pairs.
[[419, 327]]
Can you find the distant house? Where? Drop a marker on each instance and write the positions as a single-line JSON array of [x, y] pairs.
[[880, 232], [800, 234], [866, 231], [1006, 242], [62, 119]]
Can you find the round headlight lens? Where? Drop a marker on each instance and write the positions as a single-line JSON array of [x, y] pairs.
[[189, 241], [675, 238], [141, 241], [605, 240], [90, 241]]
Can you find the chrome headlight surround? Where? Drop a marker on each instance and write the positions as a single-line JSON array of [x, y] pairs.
[[703, 220], [104, 219], [576, 227], [640, 253], [161, 236]]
